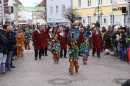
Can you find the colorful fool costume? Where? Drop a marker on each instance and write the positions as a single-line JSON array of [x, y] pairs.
[[55, 49], [84, 49], [73, 50], [27, 39]]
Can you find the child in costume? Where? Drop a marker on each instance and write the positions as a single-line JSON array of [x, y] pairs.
[[27, 38], [84, 49], [55, 49], [73, 57]]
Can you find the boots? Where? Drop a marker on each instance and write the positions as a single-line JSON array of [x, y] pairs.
[[3, 68]]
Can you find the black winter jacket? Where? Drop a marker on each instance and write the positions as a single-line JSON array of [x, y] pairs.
[[11, 42]]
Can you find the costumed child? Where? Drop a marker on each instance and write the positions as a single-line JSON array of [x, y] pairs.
[[73, 57], [84, 49], [55, 49], [27, 38]]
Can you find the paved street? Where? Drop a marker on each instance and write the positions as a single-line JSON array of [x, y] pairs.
[[104, 71]]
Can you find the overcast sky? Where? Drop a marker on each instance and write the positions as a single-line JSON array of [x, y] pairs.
[[30, 2]]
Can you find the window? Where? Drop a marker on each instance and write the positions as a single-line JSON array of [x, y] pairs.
[[88, 3], [89, 20], [51, 10], [112, 18], [110, 1], [63, 8], [57, 9], [99, 2], [100, 20], [79, 3]]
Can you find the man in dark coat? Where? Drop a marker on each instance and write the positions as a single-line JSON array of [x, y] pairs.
[[96, 41]]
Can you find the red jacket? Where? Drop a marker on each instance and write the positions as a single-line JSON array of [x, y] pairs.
[[96, 39], [80, 40], [38, 40], [63, 40]]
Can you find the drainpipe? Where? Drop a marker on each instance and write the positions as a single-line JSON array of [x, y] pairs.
[[3, 17]]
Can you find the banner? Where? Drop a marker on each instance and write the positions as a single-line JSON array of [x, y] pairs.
[[30, 9]]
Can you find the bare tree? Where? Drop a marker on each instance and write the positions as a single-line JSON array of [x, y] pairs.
[[70, 14], [40, 15]]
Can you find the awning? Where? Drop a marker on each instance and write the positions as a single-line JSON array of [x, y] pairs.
[[30, 9]]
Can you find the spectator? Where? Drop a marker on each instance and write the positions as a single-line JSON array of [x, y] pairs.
[[96, 41], [5, 50], [97, 24], [11, 43]]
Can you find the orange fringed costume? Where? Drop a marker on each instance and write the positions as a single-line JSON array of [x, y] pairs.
[[20, 44]]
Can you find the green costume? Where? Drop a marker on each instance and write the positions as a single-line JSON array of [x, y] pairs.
[[84, 49], [55, 47], [73, 52], [27, 37]]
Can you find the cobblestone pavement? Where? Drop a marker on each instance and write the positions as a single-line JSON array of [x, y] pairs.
[[104, 71]]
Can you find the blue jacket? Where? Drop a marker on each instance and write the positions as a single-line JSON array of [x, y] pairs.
[[2, 42], [88, 34]]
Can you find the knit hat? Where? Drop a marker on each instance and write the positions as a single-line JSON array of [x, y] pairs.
[[4, 26]]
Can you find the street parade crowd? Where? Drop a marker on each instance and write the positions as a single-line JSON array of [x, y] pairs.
[[76, 40]]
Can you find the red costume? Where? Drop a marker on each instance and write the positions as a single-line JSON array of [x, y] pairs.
[[97, 42], [63, 40], [80, 40], [46, 38], [38, 40], [96, 39]]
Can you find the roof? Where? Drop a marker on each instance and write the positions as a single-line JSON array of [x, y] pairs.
[[43, 3]]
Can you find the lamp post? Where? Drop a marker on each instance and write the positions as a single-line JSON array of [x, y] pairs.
[[98, 11]]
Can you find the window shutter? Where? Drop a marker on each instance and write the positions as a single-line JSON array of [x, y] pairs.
[[12, 10]]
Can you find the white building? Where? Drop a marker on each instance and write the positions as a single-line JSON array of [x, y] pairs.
[[13, 5], [55, 8]]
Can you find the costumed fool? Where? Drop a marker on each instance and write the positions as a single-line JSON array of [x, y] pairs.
[[73, 50], [84, 49], [55, 49], [20, 44]]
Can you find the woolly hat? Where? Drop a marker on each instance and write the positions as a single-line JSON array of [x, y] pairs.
[[4, 26]]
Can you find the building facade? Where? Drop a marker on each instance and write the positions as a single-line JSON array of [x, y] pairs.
[[107, 12], [55, 8]]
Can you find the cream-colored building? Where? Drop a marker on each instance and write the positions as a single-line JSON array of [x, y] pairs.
[[88, 11]]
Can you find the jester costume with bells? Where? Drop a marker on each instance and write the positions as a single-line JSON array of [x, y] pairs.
[[73, 50], [55, 48], [84, 49]]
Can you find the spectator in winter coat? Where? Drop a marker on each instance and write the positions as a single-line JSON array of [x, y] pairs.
[[5, 50], [123, 45], [2, 43], [106, 39], [11, 43]]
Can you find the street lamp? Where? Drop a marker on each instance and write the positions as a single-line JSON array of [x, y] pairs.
[[98, 11]]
